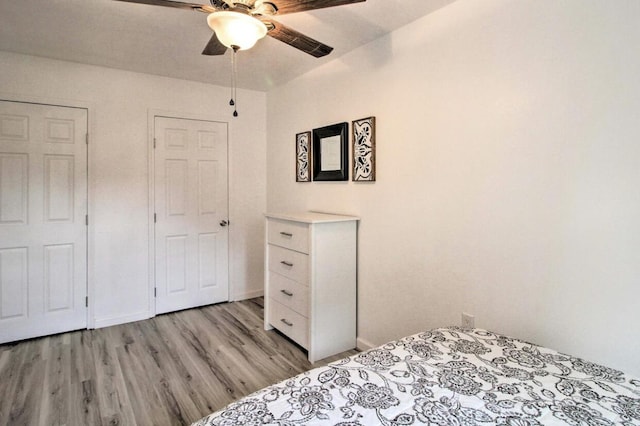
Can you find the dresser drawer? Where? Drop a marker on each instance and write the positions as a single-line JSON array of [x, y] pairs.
[[291, 235], [289, 322], [290, 293], [291, 264]]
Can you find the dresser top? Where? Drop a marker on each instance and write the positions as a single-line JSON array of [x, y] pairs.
[[311, 217]]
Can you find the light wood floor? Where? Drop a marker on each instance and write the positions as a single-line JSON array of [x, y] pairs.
[[172, 369]]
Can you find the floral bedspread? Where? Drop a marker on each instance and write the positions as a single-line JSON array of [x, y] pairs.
[[449, 376]]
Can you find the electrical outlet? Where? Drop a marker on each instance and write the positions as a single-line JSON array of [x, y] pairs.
[[468, 321]]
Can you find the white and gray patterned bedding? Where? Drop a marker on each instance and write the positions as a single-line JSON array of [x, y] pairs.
[[448, 376]]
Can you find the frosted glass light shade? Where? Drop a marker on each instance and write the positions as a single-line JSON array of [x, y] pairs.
[[236, 29]]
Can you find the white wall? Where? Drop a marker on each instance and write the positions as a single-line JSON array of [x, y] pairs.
[[118, 171], [508, 171]]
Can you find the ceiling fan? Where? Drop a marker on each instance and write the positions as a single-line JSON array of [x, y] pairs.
[[238, 24]]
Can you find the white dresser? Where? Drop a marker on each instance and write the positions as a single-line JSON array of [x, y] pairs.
[[310, 280]]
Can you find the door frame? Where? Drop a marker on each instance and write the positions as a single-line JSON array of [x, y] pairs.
[[152, 113], [90, 108]]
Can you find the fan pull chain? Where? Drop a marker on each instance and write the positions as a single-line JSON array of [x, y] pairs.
[[234, 82]]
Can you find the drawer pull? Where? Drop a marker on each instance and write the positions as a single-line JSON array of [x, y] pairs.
[[290, 324], [286, 234], [285, 292], [285, 263]]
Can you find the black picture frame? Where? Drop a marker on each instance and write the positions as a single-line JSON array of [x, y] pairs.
[[331, 153]]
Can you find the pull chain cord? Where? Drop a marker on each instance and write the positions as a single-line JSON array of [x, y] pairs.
[[234, 78]]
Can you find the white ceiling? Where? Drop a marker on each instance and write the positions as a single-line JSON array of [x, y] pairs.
[[168, 42]]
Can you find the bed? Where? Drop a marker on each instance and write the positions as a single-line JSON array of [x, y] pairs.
[[447, 376]]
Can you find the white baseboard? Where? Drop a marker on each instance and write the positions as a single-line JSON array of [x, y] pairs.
[[363, 345], [247, 295], [108, 322]]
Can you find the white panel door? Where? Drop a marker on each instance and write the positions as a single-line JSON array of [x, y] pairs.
[[43, 234], [191, 206]]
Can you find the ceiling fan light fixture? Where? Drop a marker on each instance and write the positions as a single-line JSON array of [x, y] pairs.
[[236, 29]]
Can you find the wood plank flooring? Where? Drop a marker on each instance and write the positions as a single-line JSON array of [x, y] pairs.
[[169, 370]]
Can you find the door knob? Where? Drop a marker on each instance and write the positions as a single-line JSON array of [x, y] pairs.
[[223, 223]]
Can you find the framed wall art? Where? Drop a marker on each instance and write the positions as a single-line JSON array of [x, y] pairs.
[[303, 157], [331, 153], [364, 150]]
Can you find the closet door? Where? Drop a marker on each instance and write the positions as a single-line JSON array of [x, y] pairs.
[[191, 213], [43, 233]]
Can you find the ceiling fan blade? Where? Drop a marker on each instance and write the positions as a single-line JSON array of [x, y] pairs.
[[176, 4], [297, 39], [214, 47], [293, 6]]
